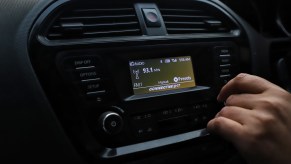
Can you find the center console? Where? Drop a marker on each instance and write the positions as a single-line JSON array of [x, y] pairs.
[[142, 94], [151, 89]]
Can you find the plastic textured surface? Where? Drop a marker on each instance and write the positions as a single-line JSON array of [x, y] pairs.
[[30, 132]]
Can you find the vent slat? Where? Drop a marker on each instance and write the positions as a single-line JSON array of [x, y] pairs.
[[103, 10], [190, 21], [180, 10], [187, 29], [111, 32], [187, 16], [89, 22], [55, 35], [101, 25], [184, 23], [97, 17], [111, 24]]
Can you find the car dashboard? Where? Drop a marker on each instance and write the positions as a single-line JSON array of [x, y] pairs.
[[133, 81]]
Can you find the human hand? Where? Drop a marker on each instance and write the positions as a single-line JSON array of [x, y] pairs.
[[256, 119]]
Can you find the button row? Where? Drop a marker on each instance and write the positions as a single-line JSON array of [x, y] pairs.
[[174, 112], [225, 63], [147, 124], [86, 74], [146, 131], [186, 122], [171, 112]]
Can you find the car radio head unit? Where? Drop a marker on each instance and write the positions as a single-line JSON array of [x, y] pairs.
[[161, 74], [143, 94]]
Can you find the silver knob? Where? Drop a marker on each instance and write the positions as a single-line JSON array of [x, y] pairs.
[[111, 122]]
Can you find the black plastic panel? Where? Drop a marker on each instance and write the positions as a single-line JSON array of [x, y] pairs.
[[69, 87], [31, 133]]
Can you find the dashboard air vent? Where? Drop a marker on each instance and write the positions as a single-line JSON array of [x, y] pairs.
[[90, 22], [192, 20]]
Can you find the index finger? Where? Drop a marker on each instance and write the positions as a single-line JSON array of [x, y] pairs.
[[227, 128], [243, 83]]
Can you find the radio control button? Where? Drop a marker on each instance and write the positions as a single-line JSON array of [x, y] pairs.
[[225, 66], [198, 106], [205, 119], [97, 96], [142, 117], [225, 60], [140, 131], [173, 112], [179, 110], [225, 71], [86, 76], [167, 113], [224, 55], [204, 106], [96, 93], [195, 120], [91, 86], [99, 99], [223, 51], [111, 122], [144, 131], [91, 74], [80, 62], [225, 78]]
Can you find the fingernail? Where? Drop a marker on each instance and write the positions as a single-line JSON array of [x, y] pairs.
[[241, 75], [218, 98], [217, 115]]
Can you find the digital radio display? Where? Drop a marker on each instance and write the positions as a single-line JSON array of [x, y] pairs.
[[163, 74]]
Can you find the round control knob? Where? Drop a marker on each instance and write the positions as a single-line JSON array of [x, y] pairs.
[[111, 122]]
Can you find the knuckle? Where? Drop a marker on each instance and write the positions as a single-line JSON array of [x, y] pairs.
[[224, 112], [267, 104], [217, 123], [267, 120], [230, 100], [272, 106], [237, 81], [268, 115]]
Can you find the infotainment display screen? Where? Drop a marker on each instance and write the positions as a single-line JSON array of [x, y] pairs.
[[162, 74]]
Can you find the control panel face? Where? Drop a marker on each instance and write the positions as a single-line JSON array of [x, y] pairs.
[[143, 95], [126, 77]]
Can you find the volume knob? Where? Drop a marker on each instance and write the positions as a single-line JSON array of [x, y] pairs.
[[111, 122]]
